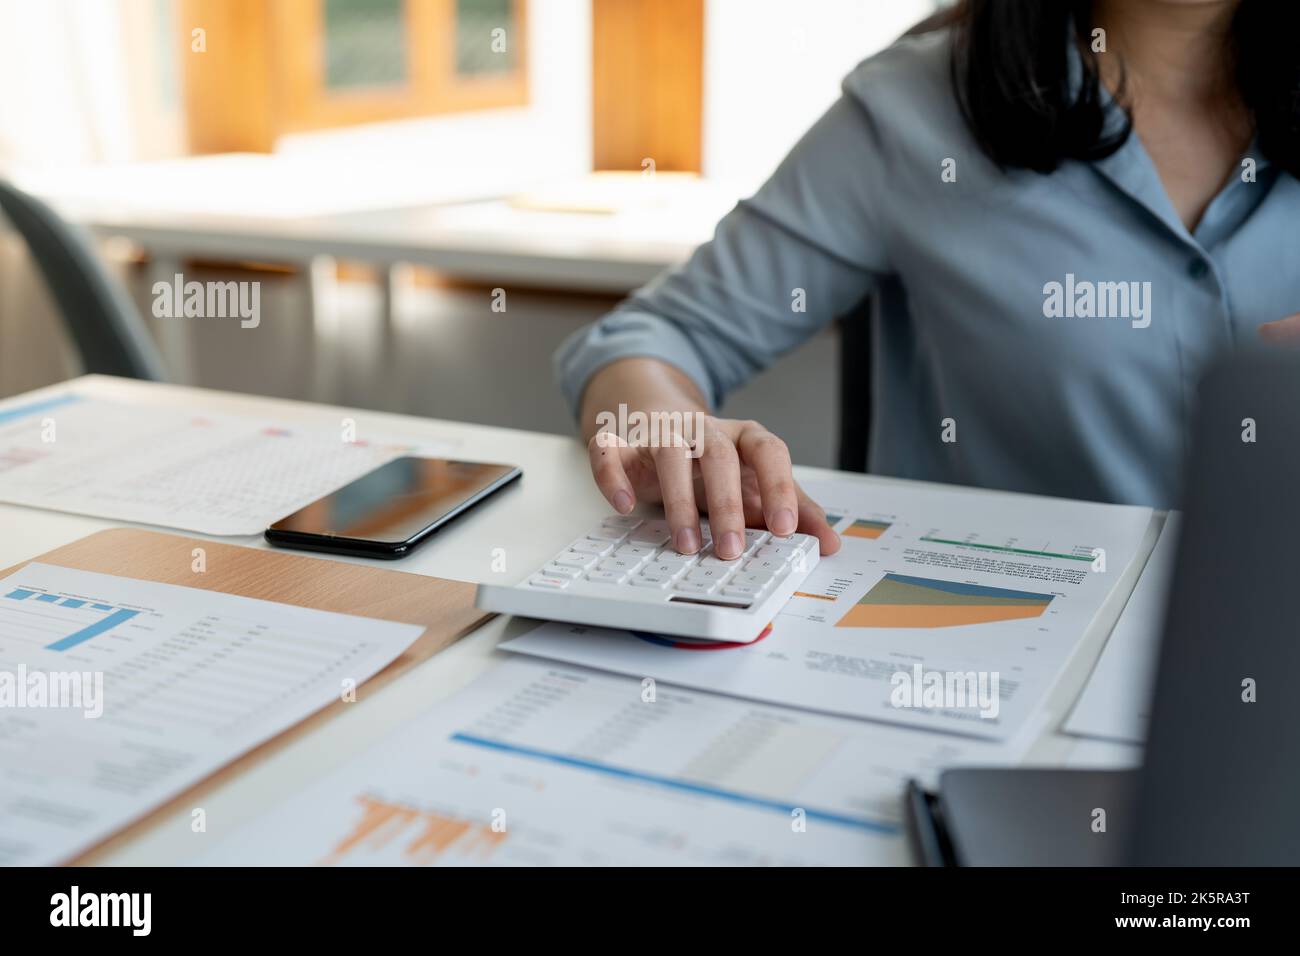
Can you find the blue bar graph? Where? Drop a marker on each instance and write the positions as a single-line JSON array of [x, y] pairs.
[[111, 620], [86, 633]]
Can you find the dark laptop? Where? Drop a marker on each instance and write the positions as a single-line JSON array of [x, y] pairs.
[[1220, 782]]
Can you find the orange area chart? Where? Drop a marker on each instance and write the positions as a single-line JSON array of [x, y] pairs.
[[900, 600], [863, 528]]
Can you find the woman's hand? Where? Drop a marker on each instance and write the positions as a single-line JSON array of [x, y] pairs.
[[737, 470], [1282, 332]]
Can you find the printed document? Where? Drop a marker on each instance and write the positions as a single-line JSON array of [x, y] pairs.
[[1116, 703], [949, 610], [118, 694], [540, 764], [175, 468]]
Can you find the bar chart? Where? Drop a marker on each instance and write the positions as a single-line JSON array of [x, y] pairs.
[[57, 622], [185, 679]]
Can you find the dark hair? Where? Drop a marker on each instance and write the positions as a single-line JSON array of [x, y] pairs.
[[1010, 72]]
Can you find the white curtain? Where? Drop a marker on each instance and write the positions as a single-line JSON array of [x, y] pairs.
[[80, 83]]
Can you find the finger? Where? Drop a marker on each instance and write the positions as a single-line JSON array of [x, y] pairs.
[[675, 469], [720, 466], [753, 510], [770, 459], [750, 499], [1283, 331], [812, 520], [605, 451]]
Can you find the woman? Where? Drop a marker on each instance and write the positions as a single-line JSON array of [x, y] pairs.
[[1066, 209]]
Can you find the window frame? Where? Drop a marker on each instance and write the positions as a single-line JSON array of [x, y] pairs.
[[263, 74]]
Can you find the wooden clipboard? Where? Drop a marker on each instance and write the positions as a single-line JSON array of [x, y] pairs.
[[444, 608]]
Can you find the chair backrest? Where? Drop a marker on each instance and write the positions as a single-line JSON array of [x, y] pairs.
[[105, 325], [855, 385]]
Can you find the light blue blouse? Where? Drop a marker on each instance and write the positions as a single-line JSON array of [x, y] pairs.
[[1037, 333]]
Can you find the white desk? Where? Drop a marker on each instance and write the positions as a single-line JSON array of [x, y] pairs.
[[279, 209], [288, 209], [524, 521], [483, 242]]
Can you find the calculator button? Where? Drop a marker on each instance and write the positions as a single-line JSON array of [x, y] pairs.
[[651, 530], [797, 542], [546, 581], [743, 591], [755, 539], [659, 581], [669, 556], [619, 521], [760, 579], [696, 587], [626, 565], [663, 568], [602, 576], [643, 551], [706, 574], [771, 565], [588, 546], [574, 559], [554, 570], [605, 533], [713, 561], [655, 572], [786, 551]]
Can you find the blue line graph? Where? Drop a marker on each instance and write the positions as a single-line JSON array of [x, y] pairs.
[[874, 826]]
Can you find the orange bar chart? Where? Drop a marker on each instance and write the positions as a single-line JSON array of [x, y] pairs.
[[428, 834]]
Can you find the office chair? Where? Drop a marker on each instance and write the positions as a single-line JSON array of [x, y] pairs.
[[107, 329], [855, 385]]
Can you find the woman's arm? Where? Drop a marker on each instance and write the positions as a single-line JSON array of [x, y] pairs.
[[1282, 332], [803, 251]]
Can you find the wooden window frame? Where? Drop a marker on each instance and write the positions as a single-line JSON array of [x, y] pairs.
[[263, 74], [647, 82], [433, 85]]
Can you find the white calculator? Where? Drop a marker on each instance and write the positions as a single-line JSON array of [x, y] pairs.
[[624, 573]]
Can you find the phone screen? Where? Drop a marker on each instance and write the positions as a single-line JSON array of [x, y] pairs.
[[395, 502]]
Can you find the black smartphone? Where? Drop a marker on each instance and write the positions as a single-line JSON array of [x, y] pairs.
[[388, 512]]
